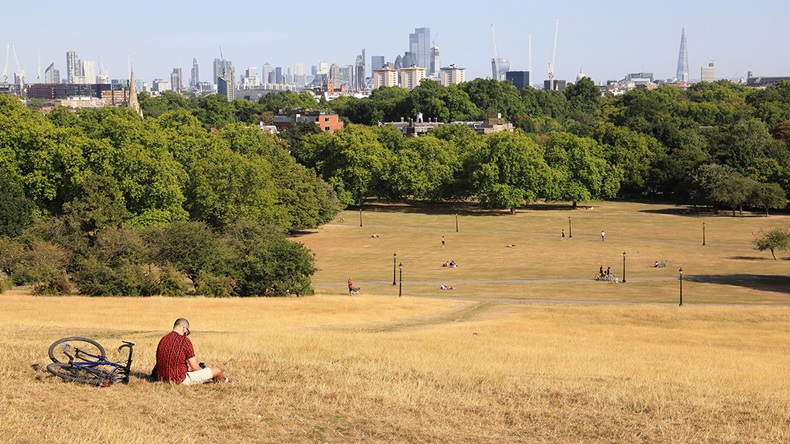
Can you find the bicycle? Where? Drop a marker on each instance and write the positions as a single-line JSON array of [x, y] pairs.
[[84, 360]]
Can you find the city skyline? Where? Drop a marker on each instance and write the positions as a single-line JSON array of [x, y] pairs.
[[605, 40]]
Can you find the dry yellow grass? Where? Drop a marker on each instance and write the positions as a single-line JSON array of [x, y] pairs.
[[378, 368]]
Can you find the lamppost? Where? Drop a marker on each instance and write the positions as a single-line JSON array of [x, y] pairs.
[[456, 222], [570, 228], [681, 285], [703, 233], [394, 261], [624, 267], [400, 288], [360, 215]]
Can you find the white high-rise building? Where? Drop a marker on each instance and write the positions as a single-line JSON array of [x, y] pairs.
[[708, 73], [73, 66], [266, 73], [385, 77], [89, 71], [410, 77], [452, 75]]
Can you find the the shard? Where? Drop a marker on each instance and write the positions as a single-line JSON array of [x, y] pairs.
[[683, 60]]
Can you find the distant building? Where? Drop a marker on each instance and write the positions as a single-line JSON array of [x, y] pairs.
[[519, 79], [377, 62], [410, 77], [226, 86], [764, 81], [328, 122], [452, 75], [162, 85], [385, 77], [683, 60], [398, 64], [89, 71], [73, 66], [51, 75], [360, 72], [436, 62], [176, 83], [559, 85], [420, 48], [194, 78], [221, 68], [267, 73], [708, 73]]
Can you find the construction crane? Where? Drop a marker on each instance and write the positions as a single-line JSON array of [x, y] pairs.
[[553, 56], [20, 71]]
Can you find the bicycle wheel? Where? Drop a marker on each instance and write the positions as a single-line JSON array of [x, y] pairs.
[[74, 373], [80, 349]]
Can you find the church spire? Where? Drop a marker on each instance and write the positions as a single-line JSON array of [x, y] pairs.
[[133, 103]]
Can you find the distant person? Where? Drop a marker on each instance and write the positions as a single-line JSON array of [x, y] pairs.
[[600, 271], [656, 264], [442, 241], [563, 234], [445, 287], [176, 362], [608, 271], [603, 236], [350, 286]]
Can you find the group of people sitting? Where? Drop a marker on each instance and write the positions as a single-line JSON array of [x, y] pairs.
[[445, 287], [662, 264], [451, 264]]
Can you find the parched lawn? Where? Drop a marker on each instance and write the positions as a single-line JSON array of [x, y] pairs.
[[727, 269], [525, 348]]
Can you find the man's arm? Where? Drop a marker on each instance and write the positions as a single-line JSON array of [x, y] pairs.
[[192, 364]]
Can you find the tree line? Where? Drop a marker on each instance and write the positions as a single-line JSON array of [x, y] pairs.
[[107, 177]]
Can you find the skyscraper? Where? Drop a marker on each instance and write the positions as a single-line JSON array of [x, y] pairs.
[[176, 83], [377, 62], [89, 71], [73, 66], [266, 73], [221, 67], [708, 73], [51, 75], [360, 72], [436, 63], [683, 59], [194, 79], [420, 47]]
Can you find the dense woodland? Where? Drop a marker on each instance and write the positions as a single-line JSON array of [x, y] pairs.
[[102, 202]]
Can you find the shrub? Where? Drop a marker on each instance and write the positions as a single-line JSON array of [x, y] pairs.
[[208, 284]]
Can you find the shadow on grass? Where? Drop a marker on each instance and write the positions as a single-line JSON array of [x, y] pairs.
[[750, 258], [460, 208], [775, 283]]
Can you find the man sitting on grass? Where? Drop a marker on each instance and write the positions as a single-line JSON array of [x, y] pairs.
[[176, 362]]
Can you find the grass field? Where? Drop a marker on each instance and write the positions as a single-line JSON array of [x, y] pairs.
[[483, 363]]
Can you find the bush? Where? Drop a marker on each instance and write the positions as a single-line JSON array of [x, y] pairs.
[[171, 282], [208, 284]]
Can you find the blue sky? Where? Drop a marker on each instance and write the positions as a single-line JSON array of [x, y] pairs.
[[607, 39]]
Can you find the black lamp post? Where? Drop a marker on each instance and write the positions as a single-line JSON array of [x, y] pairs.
[[360, 215], [456, 222], [394, 261], [624, 267], [570, 228], [703, 233], [400, 287], [681, 285]]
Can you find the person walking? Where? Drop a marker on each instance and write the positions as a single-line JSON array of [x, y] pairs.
[[442, 241], [563, 234], [350, 286], [603, 236]]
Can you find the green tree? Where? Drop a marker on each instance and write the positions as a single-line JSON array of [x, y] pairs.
[[583, 96], [772, 240], [768, 196], [191, 247], [579, 170], [16, 209], [508, 171]]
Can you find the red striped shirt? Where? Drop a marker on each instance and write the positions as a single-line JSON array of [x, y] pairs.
[[171, 357]]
